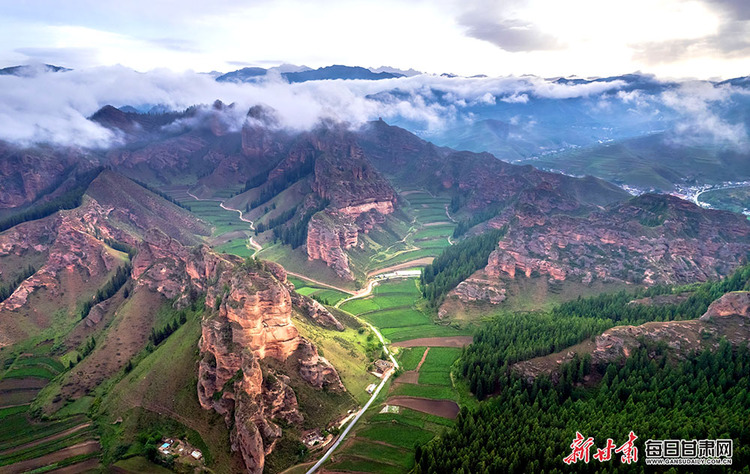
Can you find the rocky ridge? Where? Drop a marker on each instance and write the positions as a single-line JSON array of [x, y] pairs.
[[649, 239], [727, 317], [252, 321]]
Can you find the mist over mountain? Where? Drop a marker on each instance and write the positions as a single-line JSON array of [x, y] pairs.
[[524, 119]]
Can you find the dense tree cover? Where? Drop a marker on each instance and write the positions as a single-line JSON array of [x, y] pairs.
[[615, 306], [510, 338], [295, 234], [108, 290], [121, 247], [8, 289], [465, 224], [277, 185], [254, 182], [68, 200], [282, 218], [456, 202], [162, 194], [158, 335], [457, 263], [530, 427]]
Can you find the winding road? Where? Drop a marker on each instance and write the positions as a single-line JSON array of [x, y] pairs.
[[250, 240], [362, 411], [366, 291], [352, 423]]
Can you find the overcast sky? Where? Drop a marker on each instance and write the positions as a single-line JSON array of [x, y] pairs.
[[670, 38]]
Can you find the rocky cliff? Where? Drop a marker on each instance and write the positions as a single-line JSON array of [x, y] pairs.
[[329, 235], [359, 196], [649, 239], [71, 249], [31, 173], [252, 321]]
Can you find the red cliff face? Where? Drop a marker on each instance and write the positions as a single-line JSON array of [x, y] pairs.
[[252, 321], [26, 174], [329, 234], [647, 240], [359, 196]]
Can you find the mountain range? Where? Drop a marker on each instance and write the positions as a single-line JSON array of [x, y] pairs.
[[242, 289]]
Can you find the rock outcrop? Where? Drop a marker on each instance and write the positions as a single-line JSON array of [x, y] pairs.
[[728, 317], [329, 235], [252, 321], [476, 289], [359, 196], [649, 239]]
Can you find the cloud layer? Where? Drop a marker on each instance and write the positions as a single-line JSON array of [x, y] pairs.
[[52, 107]]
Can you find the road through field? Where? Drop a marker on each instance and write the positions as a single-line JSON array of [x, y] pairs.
[[250, 239], [375, 394]]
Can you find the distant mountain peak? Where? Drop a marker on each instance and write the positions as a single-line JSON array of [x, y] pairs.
[[304, 74], [31, 70]]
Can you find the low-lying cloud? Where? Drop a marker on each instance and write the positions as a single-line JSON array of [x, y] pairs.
[[53, 107], [699, 105]]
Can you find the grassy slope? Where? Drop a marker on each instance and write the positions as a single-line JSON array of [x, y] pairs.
[[735, 200], [346, 351], [160, 394]]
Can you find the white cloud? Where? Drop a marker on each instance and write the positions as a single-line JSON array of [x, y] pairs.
[[53, 107], [696, 103]]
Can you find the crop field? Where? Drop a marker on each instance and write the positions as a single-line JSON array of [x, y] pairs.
[[392, 310], [28, 444], [325, 295], [437, 366], [410, 357], [387, 441], [222, 220], [236, 246]]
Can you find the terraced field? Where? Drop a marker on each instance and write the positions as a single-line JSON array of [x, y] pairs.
[[392, 309], [28, 444], [428, 233], [419, 404]]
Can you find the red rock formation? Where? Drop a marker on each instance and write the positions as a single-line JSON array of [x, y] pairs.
[[475, 289], [680, 243], [329, 234], [253, 321]]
